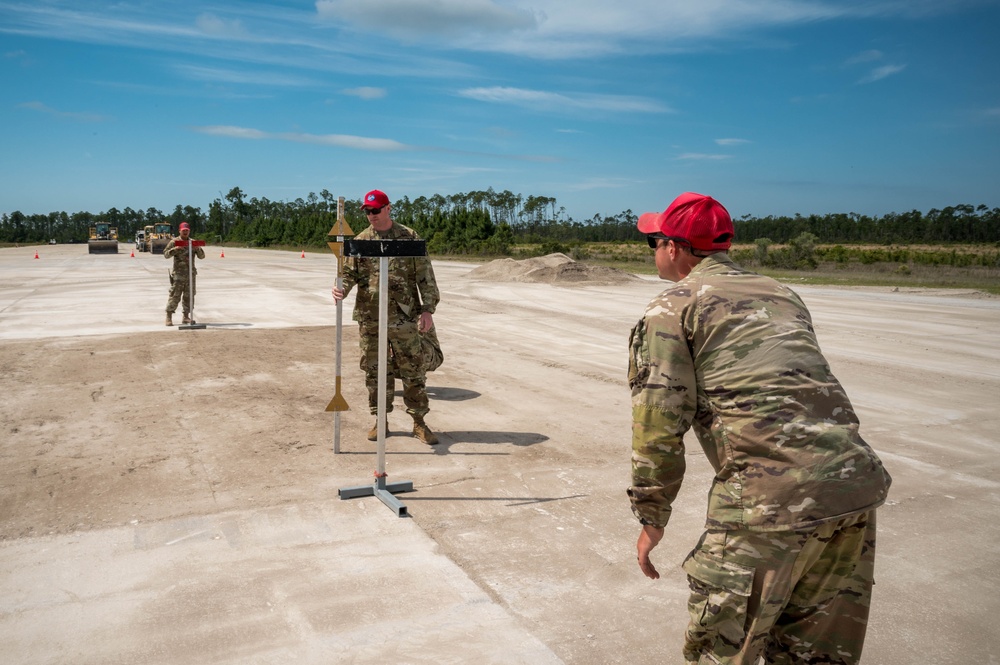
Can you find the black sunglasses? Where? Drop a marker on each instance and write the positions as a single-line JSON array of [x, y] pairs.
[[374, 211], [653, 237]]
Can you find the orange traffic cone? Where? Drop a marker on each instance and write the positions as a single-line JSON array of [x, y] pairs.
[[223, 255], [36, 253], [301, 257], [132, 255]]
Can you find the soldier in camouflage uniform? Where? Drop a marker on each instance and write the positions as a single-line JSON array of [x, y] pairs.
[[413, 297], [179, 274], [784, 570]]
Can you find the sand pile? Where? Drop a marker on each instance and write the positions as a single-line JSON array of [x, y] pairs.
[[550, 269]]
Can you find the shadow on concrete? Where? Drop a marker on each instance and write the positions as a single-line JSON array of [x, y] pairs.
[[515, 500], [451, 394], [447, 439], [515, 438], [447, 394]]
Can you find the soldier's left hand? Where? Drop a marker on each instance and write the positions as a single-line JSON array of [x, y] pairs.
[[649, 538], [426, 322]]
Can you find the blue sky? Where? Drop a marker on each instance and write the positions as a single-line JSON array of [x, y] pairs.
[[771, 106]]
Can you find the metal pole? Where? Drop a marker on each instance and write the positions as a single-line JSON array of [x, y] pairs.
[[191, 279], [383, 353], [192, 325], [340, 328], [339, 230], [340, 337]]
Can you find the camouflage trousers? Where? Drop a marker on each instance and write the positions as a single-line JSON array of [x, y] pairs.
[[178, 290], [411, 356], [788, 597]]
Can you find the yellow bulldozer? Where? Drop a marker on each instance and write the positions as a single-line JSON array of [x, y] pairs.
[[157, 237], [103, 239]]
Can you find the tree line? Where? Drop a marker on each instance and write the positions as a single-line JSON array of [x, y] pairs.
[[487, 222]]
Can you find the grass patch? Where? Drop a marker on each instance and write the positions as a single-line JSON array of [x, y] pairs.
[[637, 258]]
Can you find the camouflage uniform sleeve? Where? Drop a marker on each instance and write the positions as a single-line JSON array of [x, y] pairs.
[[199, 252], [351, 274], [664, 400], [354, 272], [169, 250], [430, 296]]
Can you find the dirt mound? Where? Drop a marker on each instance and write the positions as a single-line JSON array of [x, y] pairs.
[[551, 269]]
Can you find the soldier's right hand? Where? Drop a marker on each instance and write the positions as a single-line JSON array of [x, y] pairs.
[[338, 294]]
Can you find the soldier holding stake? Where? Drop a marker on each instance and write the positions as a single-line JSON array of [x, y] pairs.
[[179, 274], [413, 296]]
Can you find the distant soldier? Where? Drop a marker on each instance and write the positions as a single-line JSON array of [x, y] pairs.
[[413, 297], [785, 567], [179, 274]]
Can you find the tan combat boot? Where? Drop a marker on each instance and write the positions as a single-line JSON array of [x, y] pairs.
[[186, 319], [373, 432], [170, 320], [423, 432]]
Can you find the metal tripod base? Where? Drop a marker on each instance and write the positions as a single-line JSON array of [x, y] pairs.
[[384, 491]]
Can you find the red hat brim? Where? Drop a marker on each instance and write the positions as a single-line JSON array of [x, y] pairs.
[[650, 222]]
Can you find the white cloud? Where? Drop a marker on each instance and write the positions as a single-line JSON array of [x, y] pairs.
[[864, 57], [554, 29], [549, 101], [213, 25], [366, 143], [245, 35], [417, 19], [586, 28], [232, 132], [335, 140], [366, 92], [731, 141], [244, 77], [700, 156], [880, 73], [69, 115]]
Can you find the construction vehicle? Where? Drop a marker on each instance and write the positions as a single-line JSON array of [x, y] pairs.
[[157, 237], [103, 239], [146, 232]]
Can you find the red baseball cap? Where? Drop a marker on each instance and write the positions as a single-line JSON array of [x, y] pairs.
[[699, 219], [184, 225], [375, 199]]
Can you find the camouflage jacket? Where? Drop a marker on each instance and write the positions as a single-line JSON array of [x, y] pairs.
[[733, 354], [180, 257], [412, 287]]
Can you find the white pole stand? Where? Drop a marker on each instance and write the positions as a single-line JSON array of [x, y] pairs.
[[383, 249]]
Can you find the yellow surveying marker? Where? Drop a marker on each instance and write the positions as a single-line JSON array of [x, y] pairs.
[[338, 403], [335, 239], [339, 230]]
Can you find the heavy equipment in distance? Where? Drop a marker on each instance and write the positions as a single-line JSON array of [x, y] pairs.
[[157, 237], [103, 239]]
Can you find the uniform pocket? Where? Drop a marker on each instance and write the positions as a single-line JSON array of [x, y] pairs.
[[720, 592]]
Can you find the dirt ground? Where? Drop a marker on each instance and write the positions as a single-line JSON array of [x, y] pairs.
[[124, 442]]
